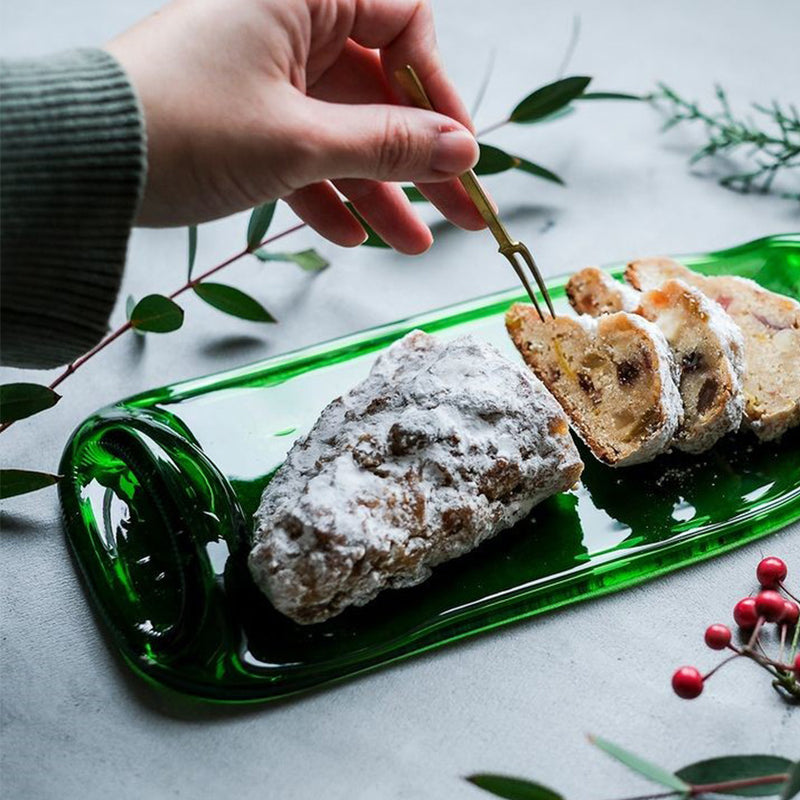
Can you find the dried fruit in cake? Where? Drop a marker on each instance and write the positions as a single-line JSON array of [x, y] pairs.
[[770, 323], [612, 375], [442, 446], [706, 345]]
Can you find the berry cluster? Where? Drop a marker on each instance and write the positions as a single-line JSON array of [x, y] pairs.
[[773, 604]]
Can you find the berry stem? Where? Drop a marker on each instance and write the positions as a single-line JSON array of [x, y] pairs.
[[784, 631], [782, 585], [720, 665], [754, 635], [793, 652]]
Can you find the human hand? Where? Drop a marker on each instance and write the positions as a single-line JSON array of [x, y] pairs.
[[247, 101]]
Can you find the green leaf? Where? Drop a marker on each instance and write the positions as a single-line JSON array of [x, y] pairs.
[[259, 224], [548, 99], [611, 96], [512, 788], [372, 240], [22, 481], [493, 160], [792, 786], [414, 194], [192, 249], [734, 768], [130, 304], [233, 301], [538, 170], [309, 260], [156, 314], [637, 764], [20, 400]]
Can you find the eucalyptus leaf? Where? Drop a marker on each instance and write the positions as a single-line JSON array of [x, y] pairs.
[[130, 304], [538, 170], [192, 249], [549, 98], [512, 788], [309, 260], [22, 481], [792, 786], [493, 160], [260, 219], [372, 240], [21, 400], [611, 96], [414, 194], [233, 301], [651, 771], [156, 314], [734, 768], [562, 112]]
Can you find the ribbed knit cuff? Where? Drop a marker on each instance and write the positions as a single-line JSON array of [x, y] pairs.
[[73, 161]]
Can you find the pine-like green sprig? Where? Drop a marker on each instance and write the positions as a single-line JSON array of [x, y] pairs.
[[769, 142]]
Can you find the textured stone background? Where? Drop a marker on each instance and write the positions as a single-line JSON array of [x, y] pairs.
[[76, 725]]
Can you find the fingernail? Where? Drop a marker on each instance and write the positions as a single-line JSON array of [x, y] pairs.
[[454, 152]]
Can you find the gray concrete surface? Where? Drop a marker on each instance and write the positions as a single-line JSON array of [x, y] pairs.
[[76, 725]]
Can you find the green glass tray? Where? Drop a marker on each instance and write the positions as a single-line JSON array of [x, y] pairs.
[[159, 491]]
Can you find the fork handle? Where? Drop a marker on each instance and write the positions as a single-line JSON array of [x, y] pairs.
[[409, 80]]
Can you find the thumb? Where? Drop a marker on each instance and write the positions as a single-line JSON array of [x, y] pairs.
[[384, 143]]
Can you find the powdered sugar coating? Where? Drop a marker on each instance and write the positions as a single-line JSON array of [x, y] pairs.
[[729, 336], [442, 446], [770, 323]]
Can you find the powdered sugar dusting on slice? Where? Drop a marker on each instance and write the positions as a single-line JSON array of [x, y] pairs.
[[670, 398]]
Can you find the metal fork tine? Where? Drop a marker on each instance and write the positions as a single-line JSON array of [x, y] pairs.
[[524, 279], [526, 254]]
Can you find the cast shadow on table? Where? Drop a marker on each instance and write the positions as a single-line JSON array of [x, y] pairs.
[[236, 346], [18, 524]]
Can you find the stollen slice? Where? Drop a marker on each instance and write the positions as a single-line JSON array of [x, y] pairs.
[[613, 376], [770, 324]]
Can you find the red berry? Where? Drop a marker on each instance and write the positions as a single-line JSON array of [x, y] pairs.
[[718, 637], [791, 613], [797, 666], [687, 683], [770, 572], [744, 613], [769, 604]]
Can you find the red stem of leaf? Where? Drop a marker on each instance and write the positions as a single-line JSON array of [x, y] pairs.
[[125, 327], [722, 786]]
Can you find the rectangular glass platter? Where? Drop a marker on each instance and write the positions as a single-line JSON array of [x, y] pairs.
[[160, 489]]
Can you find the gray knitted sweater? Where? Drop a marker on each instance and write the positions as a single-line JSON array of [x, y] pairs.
[[72, 168]]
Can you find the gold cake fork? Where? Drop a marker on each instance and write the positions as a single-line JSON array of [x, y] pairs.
[[510, 248]]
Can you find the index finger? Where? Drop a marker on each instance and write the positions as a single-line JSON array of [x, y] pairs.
[[403, 31]]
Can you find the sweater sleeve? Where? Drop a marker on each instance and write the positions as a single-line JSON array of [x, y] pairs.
[[73, 161]]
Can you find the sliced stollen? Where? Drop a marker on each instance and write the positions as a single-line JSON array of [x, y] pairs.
[[707, 347], [770, 323], [613, 375], [442, 446]]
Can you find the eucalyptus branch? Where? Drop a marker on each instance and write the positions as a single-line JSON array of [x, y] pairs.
[[769, 144], [71, 368]]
